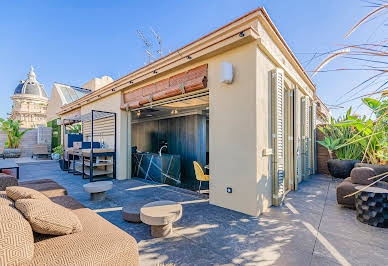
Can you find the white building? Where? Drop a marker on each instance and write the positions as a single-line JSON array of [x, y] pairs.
[[29, 102]]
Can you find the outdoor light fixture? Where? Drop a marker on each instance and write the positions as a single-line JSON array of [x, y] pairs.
[[241, 34], [138, 113], [188, 57], [113, 89], [174, 112], [155, 72], [130, 82], [226, 73]]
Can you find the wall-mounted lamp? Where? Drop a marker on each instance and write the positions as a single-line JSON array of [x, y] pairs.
[[155, 72], [130, 82], [226, 73], [113, 89], [174, 112], [188, 57], [241, 34], [138, 113]]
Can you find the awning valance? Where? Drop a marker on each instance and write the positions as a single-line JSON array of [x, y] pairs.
[[188, 81]]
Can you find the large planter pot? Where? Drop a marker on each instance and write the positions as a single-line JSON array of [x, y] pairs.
[[12, 153], [64, 165], [341, 168], [379, 169]]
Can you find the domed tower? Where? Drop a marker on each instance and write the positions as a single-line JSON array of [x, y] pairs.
[[29, 102]]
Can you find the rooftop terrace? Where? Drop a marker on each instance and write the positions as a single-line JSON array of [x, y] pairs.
[[309, 229]]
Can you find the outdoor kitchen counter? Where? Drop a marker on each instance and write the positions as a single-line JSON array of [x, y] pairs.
[[163, 169]]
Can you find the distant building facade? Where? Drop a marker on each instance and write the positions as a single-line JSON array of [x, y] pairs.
[[62, 94], [323, 112], [29, 102]]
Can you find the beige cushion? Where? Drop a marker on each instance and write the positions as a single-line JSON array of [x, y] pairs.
[[16, 237], [17, 193], [47, 217], [4, 200], [99, 243]]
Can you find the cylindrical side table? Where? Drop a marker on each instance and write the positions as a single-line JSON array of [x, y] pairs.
[[372, 206]]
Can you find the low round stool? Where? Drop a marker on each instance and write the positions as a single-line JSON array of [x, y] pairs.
[[131, 211], [97, 189], [160, 215]]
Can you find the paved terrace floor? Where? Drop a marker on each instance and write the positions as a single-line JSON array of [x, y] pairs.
[[309, 229]]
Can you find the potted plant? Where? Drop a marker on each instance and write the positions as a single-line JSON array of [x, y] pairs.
[[343, 156], [58, 152], [14, 135]]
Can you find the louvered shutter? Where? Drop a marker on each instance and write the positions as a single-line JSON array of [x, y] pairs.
[[303, 137], [278, 135], [306, 139], [297, 138], [313, 136]]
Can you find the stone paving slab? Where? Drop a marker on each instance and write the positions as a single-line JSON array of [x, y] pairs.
[[292, 234]]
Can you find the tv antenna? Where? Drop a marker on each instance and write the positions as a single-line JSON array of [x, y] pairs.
[[159, 41], [147, 43]]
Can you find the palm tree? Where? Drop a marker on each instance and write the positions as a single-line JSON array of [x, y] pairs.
[[14, 134]]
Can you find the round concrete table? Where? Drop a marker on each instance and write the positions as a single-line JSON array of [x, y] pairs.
[[97, 189], [160, 215]]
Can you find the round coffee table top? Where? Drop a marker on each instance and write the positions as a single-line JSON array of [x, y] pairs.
[[160, 212], [372, 189], [99, 186]]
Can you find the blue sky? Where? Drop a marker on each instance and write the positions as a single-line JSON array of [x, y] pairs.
[[73, 41]]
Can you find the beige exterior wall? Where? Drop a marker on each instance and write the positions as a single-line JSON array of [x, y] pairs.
[[233, 132], [54, 105], [97, 83]]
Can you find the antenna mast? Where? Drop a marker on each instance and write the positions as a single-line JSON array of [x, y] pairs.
[[159, 41], [147, 44]]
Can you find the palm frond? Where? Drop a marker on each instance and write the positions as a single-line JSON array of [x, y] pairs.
[[365, 19]]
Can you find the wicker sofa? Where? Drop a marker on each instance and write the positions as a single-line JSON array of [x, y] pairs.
[[99, 242]]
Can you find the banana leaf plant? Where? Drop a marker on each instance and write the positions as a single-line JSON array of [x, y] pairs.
[[372, 134], [14, 135]]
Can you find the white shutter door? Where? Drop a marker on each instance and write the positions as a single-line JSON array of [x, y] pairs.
[[278, 135], [307, 139], [297, 138], [313, 136], [303, 137]]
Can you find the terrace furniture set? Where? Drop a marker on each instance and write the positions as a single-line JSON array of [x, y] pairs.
[[371, 203], [41, 225]]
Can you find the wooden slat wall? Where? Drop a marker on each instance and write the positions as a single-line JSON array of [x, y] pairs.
[[106, 126], [322, 155]]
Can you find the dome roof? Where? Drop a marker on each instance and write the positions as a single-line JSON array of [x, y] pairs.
[[31, 86]]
